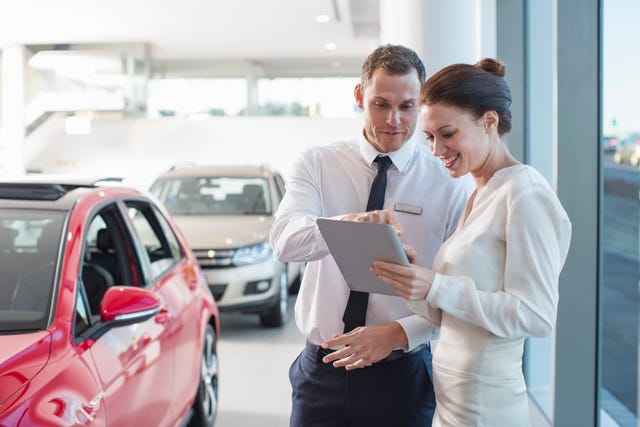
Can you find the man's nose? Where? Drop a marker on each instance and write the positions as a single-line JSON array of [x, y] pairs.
[[393, 117]]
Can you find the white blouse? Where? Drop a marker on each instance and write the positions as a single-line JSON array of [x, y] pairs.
[[496, 283]]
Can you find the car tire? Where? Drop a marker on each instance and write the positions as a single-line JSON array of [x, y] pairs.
[[295, 285], [205, 407], [276, 316]]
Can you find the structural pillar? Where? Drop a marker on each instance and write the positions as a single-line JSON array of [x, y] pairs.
[[441, 32], [13, 104]]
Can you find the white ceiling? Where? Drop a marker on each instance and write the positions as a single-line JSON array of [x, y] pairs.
[[198, 30]]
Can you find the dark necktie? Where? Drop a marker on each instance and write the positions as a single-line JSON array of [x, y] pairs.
[[356, 311]]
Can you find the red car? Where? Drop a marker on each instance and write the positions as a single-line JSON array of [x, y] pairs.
[[105, 316]]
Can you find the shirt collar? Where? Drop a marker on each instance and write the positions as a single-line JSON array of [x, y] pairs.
[[400, 158]]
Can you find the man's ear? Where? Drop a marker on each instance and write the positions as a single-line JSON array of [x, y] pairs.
[[490, 120], [357, 93]]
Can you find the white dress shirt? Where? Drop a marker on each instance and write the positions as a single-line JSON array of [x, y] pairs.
[[332, 181]]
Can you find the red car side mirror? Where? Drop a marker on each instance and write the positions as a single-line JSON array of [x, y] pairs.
[[123, 305]]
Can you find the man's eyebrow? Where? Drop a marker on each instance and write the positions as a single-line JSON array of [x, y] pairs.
[[382, 98]]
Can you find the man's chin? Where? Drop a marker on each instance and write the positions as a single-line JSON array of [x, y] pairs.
[[393, 143]]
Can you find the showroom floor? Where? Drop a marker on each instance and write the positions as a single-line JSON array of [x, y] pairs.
[[254, 371]]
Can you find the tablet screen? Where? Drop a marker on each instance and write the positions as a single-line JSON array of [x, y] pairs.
[[355, 245]]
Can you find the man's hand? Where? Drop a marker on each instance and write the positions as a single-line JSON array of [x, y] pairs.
[[365, 345], [384, 216]]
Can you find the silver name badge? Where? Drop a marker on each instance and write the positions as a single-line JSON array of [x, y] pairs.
[[401, 207]]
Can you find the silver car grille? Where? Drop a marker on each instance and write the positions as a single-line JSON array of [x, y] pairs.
[[214, 258]]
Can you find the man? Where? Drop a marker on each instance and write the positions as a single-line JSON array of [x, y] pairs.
[[378, 374]]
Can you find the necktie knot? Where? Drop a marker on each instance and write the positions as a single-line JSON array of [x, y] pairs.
[[384, 163]]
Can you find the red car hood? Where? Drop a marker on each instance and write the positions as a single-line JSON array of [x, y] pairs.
[[21, 358]]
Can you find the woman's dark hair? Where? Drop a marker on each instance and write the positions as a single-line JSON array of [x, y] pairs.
[[475, 88]]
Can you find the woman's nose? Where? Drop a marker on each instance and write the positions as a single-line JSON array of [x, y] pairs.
[[435, 147]]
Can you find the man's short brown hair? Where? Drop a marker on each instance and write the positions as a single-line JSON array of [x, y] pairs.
[[394, 60]]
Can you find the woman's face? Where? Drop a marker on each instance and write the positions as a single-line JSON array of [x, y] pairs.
[[461, 142]]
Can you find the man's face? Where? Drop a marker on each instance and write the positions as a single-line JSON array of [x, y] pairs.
[[390, 105]]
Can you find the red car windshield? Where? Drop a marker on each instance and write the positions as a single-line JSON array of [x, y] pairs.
[[30, 242]]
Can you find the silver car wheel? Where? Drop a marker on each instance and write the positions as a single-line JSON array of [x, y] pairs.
[[276, 315], [205, 407]]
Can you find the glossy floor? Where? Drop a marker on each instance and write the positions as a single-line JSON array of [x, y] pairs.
[[254, 372]]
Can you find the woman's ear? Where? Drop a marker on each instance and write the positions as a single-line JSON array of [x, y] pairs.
[[490, 120]]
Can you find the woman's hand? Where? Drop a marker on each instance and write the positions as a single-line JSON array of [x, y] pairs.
[[411, 283]]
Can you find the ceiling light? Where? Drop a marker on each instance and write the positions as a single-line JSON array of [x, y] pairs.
[[322, 19], [330, 46]]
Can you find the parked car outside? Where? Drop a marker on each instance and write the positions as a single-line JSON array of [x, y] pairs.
[[609, 144], [105, 315], [628, 150], [225, 214]]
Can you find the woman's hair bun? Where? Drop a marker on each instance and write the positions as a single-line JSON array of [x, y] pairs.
[[492, 66]]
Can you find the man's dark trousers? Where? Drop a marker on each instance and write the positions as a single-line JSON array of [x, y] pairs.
[[389, 394]]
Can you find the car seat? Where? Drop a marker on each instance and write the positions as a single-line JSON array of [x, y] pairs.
[[98, 269], [33, 290], [253, 199], [8, 273]]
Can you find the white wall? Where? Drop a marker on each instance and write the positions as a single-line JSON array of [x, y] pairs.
[[139, 149]]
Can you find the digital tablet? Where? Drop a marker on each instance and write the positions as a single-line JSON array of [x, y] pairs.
[[355, 245]]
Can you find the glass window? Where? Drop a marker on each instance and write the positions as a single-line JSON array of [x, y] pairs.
[[620, 145], [107, 257], [196, 97], [206, 195], [315, 97], [29, 253], [82, 322], [174, 244], [160, 253]]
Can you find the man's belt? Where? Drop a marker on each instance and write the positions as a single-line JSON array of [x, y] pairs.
[[394, 355]]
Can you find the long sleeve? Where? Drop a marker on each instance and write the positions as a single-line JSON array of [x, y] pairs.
[[537, 240], [294, 234]]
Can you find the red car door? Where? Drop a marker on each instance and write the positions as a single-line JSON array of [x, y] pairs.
[[135, 362], [171, 276]]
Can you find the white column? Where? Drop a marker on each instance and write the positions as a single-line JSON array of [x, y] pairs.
[[131, 101], [13, 126], [253, 71], [441, 32]]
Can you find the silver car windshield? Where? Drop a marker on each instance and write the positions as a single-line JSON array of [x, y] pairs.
[[214, 195], [30, 242]]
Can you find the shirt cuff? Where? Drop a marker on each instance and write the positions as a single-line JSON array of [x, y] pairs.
[[418, 331], [428, 308], [435, 289]]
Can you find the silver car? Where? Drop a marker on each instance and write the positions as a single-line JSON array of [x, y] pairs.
[[225, 214]]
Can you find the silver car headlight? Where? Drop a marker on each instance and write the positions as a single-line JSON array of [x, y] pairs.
[[252, 254]]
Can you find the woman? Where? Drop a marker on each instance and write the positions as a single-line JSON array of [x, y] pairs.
[[494, 282]]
